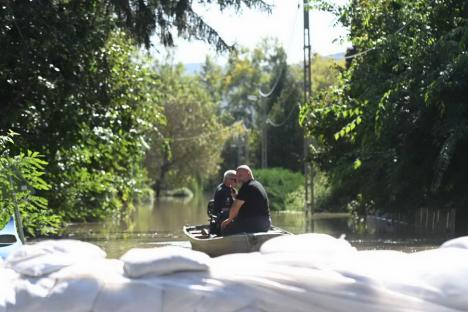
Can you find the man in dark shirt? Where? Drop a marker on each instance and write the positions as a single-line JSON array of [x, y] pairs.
[[223, 199], [250, 211]]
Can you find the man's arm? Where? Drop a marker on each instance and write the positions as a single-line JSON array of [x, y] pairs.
[[236, 206], [233, 212]]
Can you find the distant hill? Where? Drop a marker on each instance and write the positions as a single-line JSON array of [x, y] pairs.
[[193, 68], [336, 56]]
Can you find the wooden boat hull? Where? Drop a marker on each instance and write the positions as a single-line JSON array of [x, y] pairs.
[[9, 239], [220, 245]]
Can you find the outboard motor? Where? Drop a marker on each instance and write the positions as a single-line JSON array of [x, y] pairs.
[[210, 209], [216, 217], [213, 217]]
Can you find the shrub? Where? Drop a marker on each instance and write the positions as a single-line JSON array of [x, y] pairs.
[[285, 188]]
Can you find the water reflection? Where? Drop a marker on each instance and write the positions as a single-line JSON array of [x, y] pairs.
[[161, 224]]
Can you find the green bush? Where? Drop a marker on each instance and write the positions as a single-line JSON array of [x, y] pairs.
[[285, 188]]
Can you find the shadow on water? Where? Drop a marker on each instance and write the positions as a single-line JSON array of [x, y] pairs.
[[161, 224]]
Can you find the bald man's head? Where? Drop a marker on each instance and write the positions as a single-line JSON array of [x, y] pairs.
[[244, 174]]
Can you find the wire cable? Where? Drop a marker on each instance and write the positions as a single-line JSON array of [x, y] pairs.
[[280, 124], [283, 122], [375, 48], [203, 135], [283, 68]]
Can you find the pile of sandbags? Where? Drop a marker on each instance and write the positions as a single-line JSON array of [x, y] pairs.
[[309, 272]]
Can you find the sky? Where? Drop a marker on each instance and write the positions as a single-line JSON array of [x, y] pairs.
[[248, 27]]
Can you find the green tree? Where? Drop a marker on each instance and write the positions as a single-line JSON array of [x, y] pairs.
[[257, 84], [188, 146], [211, 77], [394, 131], [74, 92], [285, 136], [102, 171], [261, 89]]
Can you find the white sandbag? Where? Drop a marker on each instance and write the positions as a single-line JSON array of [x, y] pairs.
[[7, 292], [67, 246], [163, 260], [310, 250], [30, 294], [445, 270], [49, 256], [307, 243], [191, 291], [129, 296], [326, 275], [273, 286], [459, 242], [203, 291], [72, 289], [297, 288], [388, 265]]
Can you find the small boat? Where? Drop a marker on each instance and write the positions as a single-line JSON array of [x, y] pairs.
[[220, 245], [9, 239]]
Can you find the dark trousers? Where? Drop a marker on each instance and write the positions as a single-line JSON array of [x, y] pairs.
[[215, 222], [247, 225]]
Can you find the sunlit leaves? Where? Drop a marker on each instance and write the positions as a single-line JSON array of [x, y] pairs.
[[357, 164], [21, 176], [348, 128]]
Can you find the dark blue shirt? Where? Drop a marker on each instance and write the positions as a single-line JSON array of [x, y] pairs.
[[222, 198]]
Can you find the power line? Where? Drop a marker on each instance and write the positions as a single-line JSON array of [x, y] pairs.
[[288, 49], [375, 48], [280, 124], [268, 120], [203, 135]]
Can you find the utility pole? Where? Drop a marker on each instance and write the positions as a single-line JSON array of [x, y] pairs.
[[264, 142], [308, 175], [264, 124], [246, 144], [242, 151]]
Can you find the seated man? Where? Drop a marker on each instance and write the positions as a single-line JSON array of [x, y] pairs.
[[250, 211], [223, 199]]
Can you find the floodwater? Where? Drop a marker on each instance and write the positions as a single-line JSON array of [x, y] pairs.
[[160, 224]]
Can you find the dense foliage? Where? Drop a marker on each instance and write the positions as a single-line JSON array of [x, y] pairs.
[[393, 135], [103, 170]]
